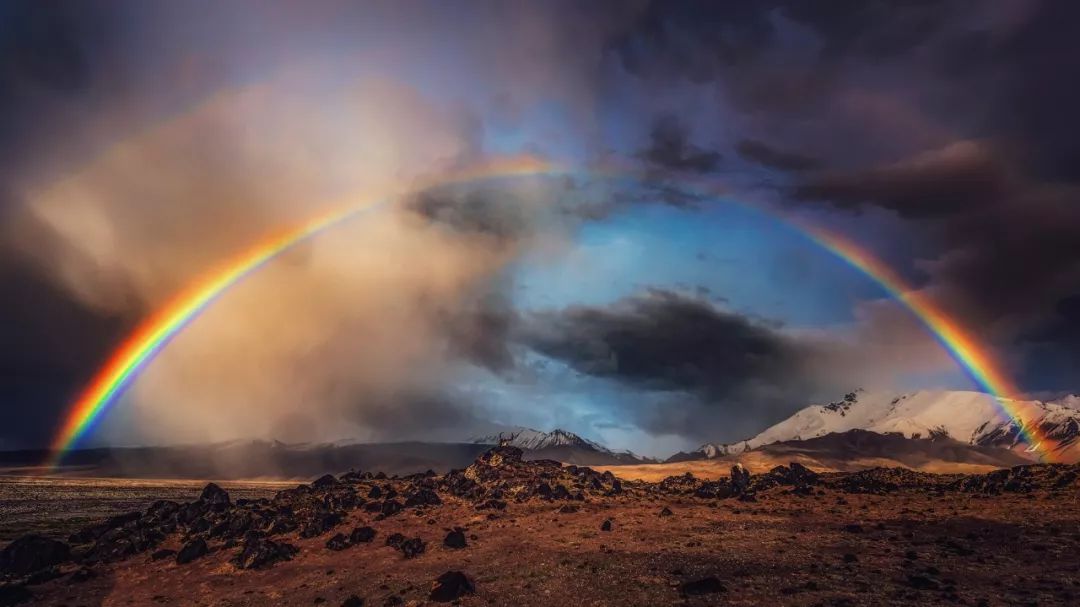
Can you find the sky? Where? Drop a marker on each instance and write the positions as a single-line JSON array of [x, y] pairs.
[[671, 303]]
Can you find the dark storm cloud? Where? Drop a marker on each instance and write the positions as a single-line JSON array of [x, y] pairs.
[[663, 340], [959, 119], [952, 180], [768, 156], [49, 345], [670, 149], [53, 56]]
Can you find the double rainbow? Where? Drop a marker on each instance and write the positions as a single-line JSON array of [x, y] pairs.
[[155, 332]]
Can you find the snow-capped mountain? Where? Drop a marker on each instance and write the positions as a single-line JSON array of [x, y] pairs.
[[560, 445], [969, 417]]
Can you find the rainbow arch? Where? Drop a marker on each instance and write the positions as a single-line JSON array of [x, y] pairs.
[[151, 337]]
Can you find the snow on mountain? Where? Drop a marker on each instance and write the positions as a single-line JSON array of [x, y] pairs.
[[970, 417], [560, 444]]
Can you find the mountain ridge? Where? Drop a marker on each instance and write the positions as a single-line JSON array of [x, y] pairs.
[[969, 417]]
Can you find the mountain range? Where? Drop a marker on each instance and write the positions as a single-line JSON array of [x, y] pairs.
[[562, 446], [971, 418]]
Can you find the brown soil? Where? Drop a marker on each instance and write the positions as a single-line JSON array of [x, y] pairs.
[[927, 540]]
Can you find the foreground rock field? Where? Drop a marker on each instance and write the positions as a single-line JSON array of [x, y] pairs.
[[508, 532]]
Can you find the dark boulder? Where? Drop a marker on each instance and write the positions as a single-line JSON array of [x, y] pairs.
[[326, 481], [338, 542], [455, 539], [353, 601], [412, 547], [606, 525], [30, 553], [390, 508], [212, 494], [666, 512], [192, 550], [450, 586], [422, 497], [361, 535], [740, 479], [259, 553], [320, 522]]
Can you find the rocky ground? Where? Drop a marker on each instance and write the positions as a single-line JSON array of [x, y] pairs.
[[508, 532]]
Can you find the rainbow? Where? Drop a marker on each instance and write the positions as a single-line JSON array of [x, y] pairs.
[[158, 330], [974, 357], [154, 333]]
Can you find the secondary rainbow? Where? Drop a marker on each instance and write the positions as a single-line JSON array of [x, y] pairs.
[[156, 332]]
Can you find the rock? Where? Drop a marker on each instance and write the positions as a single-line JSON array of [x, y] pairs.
[[423, 497], [390, 508], [708, 585], [362, 535], [606, 525], [568, 509], [320, 522], [326, 481], [192, 550], [353, 601], [666, 512], [32, 552], [740, 479], [395, 539], [212, 494], [259, 553], [338, 542], [491, 504], [164, 553], [455, 539], [853, 528], [450, 586], [14, 594], [412, 547], [375, 492]]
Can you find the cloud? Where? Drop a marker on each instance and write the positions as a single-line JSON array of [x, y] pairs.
[[768, 156], [666, 341], [959, 177], [670, 149]]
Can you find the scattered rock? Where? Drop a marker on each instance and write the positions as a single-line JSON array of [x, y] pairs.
[[455, 539], [338, 542], [212, 494], [450, 586], [666, 512], [740, 479], [394, 539], [259, 553], [412, 547], [362, 535], [31, 553], [192, 550]]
